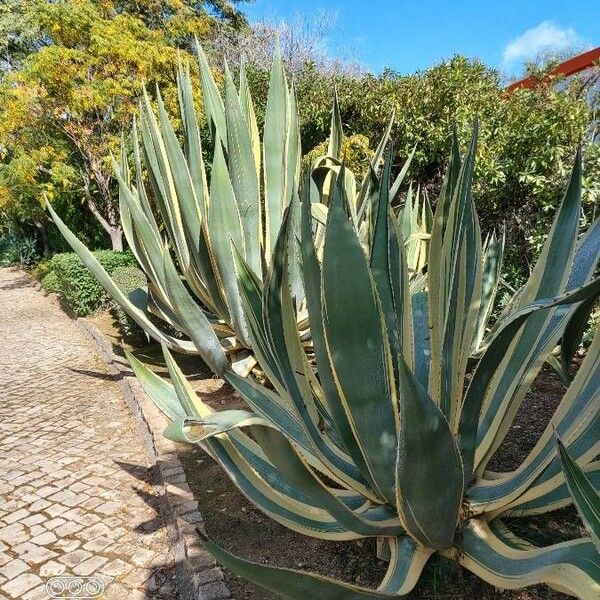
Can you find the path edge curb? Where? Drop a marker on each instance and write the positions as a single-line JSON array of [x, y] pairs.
[[198, 575]]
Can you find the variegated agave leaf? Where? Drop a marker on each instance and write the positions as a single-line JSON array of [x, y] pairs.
[[381, 439]]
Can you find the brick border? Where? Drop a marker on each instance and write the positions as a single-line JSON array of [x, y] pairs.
[[198, 575]]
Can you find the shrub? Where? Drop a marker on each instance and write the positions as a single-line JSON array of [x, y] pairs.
[[16, 249], [43, 268], [50, 283], [127, 279], [77, 286]]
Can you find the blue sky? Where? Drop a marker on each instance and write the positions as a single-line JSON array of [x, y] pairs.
[[410, 35]]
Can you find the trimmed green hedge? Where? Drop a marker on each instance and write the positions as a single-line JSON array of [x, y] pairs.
[[79, 289], [127, 279]]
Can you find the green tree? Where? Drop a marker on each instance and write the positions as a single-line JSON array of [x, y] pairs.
[[82, 68]]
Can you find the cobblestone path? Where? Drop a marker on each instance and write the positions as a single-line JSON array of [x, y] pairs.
[[76, 491]]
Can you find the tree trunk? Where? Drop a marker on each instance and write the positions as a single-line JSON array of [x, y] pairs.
[[110, 223], [116, 238], [41, 226]]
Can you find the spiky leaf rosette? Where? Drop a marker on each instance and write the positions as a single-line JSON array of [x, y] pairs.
[[381, 439]]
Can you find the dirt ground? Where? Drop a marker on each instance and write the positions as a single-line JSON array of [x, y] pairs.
[[234, 523]]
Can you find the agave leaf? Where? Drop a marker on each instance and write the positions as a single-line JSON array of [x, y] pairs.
[[576, 421], [573, 335], [357, 345], [299, 585], [242, 169], [420, 336], [319, 212], [455, 290], [585, 496], [334, 148], [361, 204], [429, 468], [192, 431], [388, 266], [160, 392], [402, 175], [571, 566], [492, 267], [188, 205], [379, 254], [249, 113], [225, 228], [213, 105], [275, 141], [112, 289], [312, 286], [193, 318], [140, 188], [192, 143], [492, 358], [547, 498], [290, 464], [292, 197], [158, 160]]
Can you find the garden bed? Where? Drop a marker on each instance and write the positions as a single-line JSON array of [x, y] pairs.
[[234, 523]]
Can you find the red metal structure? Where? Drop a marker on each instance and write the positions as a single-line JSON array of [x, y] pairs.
[[568, 67]]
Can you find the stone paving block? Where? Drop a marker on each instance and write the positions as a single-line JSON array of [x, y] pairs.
[[35, 554], [116, 568], [33, 520], [43, 539], [14, 568], [89, 566], [21, 584], [74, 558], [52, 569], [38, 593]]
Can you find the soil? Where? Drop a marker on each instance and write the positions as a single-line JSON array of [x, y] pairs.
[[234, 523]]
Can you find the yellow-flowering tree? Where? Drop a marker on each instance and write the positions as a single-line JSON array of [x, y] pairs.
[[64, 105]]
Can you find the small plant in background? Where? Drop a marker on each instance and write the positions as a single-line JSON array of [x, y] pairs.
[[369, 430], [19, 250]]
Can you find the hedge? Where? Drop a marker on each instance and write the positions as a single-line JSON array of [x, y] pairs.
[[79, 289]]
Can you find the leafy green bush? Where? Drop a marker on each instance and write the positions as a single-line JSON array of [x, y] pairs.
[[526, 141], [43, 268], [50, 283], [77, 286], [127, 279]]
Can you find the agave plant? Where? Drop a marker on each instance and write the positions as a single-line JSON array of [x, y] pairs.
[[372, 432], [182, 227]]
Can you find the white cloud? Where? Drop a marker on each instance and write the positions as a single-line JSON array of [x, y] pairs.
[[544, 38]]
